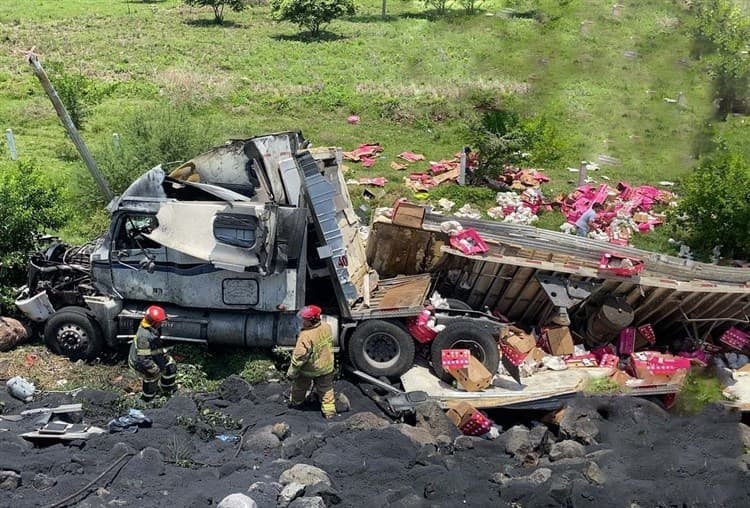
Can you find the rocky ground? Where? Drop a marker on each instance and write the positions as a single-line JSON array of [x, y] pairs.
[[598, 452]]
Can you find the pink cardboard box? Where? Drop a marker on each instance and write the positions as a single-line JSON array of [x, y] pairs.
[[736, 339], [626, 343]]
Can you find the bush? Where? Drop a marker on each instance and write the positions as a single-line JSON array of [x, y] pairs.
[[438, 5], [502, 137], [77, 92], [312, 15], [470, 6], [716, 202], [218, 7], [162, 134], [29, 206]]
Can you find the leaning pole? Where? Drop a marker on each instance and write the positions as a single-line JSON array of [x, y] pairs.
[[67, 123]]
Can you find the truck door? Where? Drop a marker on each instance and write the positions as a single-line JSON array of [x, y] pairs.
[[236, 236], [139, 265]]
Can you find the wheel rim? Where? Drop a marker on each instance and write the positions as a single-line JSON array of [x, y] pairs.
[[71, 337], [475, 347], [382, 350]]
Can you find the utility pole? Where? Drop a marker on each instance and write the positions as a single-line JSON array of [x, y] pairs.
[[67, 123]]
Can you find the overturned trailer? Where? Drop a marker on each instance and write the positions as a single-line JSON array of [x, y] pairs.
[[531, 275], [535, 277]]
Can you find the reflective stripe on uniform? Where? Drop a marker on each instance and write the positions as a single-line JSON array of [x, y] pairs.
[[151, 352]]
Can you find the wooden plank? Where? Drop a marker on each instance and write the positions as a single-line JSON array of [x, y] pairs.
[[407, 293], [492, 299], [530, 288]]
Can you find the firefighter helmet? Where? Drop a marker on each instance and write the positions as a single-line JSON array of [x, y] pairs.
[[310, 312], [155, 315]]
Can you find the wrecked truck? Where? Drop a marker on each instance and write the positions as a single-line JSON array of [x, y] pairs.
[[232, 244]]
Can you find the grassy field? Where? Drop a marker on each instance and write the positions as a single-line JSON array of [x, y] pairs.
[[416, 79]]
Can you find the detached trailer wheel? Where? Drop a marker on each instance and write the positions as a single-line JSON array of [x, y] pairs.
[[464, 335], [381, 348], [72, 333]]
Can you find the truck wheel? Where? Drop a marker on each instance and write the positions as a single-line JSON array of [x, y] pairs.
[[456, 304], [72, 333], [464, 335], [381, 348]]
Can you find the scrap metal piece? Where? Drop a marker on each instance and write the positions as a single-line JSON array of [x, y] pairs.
[[563, 292], [407, 402]]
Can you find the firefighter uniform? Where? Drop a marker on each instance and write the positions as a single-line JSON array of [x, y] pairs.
[[312, 364], [151, 361]]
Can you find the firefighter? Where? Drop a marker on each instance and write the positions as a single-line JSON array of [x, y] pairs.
[[312, 362], [149, 359]]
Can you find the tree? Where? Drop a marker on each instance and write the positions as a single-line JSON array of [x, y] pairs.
[[218, 7], [722, 31], [715, 204], [312, 15], [29, 205]]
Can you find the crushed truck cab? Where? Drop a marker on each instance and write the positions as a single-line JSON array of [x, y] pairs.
[[232, 244]]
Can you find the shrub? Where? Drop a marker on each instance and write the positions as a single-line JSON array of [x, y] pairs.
[[77, 92], [29, 206], [502, 137], [312, 15], [218, 7], [163, 134], [470, 6], [716, 202], [438, 5]]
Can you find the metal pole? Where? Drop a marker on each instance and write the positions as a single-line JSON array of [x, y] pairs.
[[582, 173], [382, 12], [68, 125], [462, 166], [11, 145]]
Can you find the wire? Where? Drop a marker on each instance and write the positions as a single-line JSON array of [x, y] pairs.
[[64, 502]]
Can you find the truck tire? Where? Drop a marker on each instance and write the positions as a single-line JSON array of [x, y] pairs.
[[456, 304], [381, 348], [73, 333], [464, 335]]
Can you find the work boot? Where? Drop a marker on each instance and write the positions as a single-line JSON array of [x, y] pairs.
[[329, 416]]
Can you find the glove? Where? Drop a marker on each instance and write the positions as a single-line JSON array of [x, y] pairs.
[[292, 373]]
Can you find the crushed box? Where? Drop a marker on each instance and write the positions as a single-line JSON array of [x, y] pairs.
[[473, 378], [460, 413], [408, 214], [643, 366], [520, 340], [557, 341], [469, 420]]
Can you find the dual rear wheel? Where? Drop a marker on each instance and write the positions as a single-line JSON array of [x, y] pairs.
[[385, 348]]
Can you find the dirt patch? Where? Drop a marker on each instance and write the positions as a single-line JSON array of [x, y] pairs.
[[50, 372]]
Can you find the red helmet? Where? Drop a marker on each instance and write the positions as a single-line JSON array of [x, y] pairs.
[[155, 315], [311, 312]]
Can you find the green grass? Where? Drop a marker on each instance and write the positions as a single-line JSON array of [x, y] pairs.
[[601, 386], [201, 369], [700, 389], [414, 78]]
